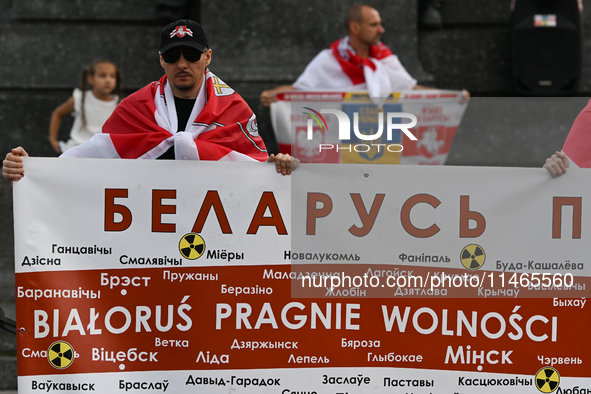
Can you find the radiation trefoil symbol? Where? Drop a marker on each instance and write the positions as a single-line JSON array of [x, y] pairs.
[[547, 380], [472, 257], [192, 246], [60, 354]]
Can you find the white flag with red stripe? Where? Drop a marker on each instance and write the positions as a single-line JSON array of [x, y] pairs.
[[143, 127]]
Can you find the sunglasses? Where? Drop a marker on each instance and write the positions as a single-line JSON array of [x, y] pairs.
[[190, 55]]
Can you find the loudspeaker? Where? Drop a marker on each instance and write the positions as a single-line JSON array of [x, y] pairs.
[[546, 46]]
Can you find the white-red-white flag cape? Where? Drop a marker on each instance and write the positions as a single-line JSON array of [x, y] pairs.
[[339, 68], [144, 126]]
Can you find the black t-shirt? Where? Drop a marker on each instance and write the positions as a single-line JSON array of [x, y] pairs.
[[183, 111]]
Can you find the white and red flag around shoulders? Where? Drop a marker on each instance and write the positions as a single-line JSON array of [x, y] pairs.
[[144, 126]]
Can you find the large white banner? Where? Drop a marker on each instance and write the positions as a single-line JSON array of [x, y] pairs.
[[145, 276]]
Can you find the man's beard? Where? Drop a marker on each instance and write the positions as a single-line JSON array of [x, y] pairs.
[[184, 87]]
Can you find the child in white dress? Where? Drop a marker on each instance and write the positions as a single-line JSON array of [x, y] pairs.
[[90, 107]]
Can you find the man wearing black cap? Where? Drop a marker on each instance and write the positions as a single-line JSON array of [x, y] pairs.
[[189, 114], [186, 37]]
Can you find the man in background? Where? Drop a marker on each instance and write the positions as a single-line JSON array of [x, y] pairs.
[[357, 62]]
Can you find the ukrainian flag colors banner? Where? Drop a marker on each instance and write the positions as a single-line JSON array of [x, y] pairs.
[[305, 126], [228, 277]]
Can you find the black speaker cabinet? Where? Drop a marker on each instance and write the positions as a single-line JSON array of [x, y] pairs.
[[546, 46]]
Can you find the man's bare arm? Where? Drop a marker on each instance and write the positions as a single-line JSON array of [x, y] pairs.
[[270, 96]]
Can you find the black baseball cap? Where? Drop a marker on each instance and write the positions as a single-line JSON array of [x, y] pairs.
[[184, 32]]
